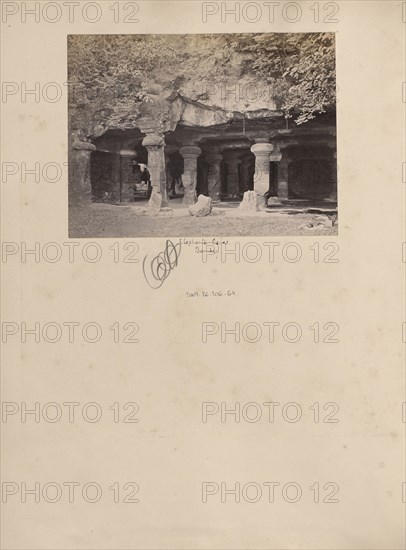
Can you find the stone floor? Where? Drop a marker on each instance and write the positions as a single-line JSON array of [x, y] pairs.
[[135, 220], [288, 205]]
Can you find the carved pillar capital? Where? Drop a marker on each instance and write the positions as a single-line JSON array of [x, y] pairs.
[[169, 149], [212, 149], [153, 141], [276, 155], [262, 148], [213, 158], [83, 146], [190, 151], [232, 158]]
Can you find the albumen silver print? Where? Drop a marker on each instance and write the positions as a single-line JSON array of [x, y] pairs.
[[187, 135]]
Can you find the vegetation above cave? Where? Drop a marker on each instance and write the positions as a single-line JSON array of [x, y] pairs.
[[114, 76]]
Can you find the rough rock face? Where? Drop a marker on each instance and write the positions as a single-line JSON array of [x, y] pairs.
[[249, 204], [201, 208], [176, 92], [79, 173]]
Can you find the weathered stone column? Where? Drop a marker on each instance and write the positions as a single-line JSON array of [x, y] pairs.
[[275, 158], [80, 186], [245, 170], [170, 180], [115, 175], [283, 177], [233, 181], [189, 154], [262, 152], [214, 159], [155, 143], [334, 171], [127, 183]]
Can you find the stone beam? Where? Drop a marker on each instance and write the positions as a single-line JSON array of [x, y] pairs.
[[148, 125]]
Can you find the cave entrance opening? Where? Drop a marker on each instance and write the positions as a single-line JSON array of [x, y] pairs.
[[221, 162]]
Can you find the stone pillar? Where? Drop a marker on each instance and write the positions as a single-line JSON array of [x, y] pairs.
[[233, 186], [245, 172], [283, 176], [80, 186], [189, 154], [127, 178], [214, 159], [262, 152], [170, 180], [115, 175], [334, 171], [155, 143]]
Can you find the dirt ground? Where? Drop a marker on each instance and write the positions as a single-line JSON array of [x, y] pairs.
[[105, 220]]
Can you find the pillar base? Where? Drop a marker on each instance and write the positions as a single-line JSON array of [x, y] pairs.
[[213, 159], [262, 203], [274, 200], [165, 200], [283, 190], [189, 197], [155, 202], [215, 197], [249, 204]]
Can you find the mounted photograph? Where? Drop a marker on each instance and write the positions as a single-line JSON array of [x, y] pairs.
[[202, 135]]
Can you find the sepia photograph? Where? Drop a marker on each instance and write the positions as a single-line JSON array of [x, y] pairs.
[[198, 352], [200, 135]]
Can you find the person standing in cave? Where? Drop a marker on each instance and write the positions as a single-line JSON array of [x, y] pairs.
[[146, 178]]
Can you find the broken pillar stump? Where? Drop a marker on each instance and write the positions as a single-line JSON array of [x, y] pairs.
[[249, 203], [202, 207]]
